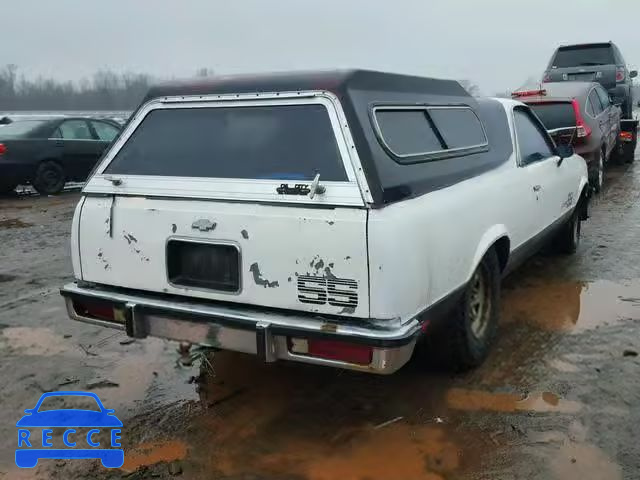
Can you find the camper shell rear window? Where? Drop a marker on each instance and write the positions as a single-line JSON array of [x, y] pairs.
[[282, 142]]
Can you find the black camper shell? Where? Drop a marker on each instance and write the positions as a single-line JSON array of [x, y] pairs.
[[391, 117]]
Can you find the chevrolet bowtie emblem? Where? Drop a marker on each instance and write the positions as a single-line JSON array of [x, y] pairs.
[[203, 225]]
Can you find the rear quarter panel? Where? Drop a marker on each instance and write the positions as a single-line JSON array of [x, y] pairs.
[[423, 249]]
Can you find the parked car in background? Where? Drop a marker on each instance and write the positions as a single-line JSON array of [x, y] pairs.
[[49, 152], [579, 113], [337, 220], [595, 62]]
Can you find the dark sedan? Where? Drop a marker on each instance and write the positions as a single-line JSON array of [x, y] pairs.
[[47, 153]]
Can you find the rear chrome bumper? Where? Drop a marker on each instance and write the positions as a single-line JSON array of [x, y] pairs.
[[266, 334]]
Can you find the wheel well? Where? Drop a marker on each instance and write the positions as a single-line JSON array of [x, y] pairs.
[[502, 247], [50, 159]]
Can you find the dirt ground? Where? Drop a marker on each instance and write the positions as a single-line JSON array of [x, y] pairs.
[[557, 399]]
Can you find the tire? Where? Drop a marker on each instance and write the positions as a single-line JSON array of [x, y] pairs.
[[471, 330], [568, 239], [7, 188], [629, 153], [596, 179], [49, 178]]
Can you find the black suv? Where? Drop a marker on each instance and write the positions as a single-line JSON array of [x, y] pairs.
[[595, 62]]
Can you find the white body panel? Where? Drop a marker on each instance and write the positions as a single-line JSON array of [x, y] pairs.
[[423, 249]]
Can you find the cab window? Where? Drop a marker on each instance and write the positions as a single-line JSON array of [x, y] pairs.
[[533, 144], [105, 132], [74, 130], [604, 98], [596, 104]]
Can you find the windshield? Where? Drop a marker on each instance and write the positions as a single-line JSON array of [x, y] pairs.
[[584, 56], [20, 128], [287, 142], [555, 115]]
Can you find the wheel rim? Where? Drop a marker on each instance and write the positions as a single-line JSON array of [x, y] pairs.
[[479, 303], [50, 179]]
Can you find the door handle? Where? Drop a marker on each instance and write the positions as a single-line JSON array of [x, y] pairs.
[[537, 188]]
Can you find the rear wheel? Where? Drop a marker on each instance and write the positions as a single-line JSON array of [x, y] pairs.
[[629, 152], [471, 330], [568, 238], [596, 179], [49, 178]]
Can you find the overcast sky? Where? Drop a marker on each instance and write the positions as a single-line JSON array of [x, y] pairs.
[[495, 43]]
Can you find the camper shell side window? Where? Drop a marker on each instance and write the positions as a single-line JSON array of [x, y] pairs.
[[415, 134]]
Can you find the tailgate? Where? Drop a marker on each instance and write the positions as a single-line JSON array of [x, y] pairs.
[[274, 256]]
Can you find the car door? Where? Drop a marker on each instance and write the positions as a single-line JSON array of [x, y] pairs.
[[609, 118], [536, 154], [80, 148], [601, 118]]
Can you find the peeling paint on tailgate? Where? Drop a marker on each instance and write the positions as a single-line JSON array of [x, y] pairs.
[[277, 244]]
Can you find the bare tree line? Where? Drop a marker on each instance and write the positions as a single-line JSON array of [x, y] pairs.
[[105, 90]]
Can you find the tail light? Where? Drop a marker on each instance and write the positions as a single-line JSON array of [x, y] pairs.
[[98, 310], [620, 74], [3, 149], [626, 137], [582, 129], [332, 350]]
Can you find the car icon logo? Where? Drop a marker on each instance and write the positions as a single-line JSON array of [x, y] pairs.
[[80, 430]]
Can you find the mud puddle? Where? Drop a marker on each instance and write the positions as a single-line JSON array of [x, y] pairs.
[[14, 223], [572, 306], [274, 421], [148, 454], [477, 400], [34, 341]]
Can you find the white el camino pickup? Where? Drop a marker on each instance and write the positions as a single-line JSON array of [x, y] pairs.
[[331, 218]]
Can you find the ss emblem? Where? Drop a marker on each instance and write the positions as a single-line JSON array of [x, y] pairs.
[[339, 292]]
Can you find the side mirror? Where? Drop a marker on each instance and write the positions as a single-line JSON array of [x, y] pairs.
[[633, 74], [564, 150]]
